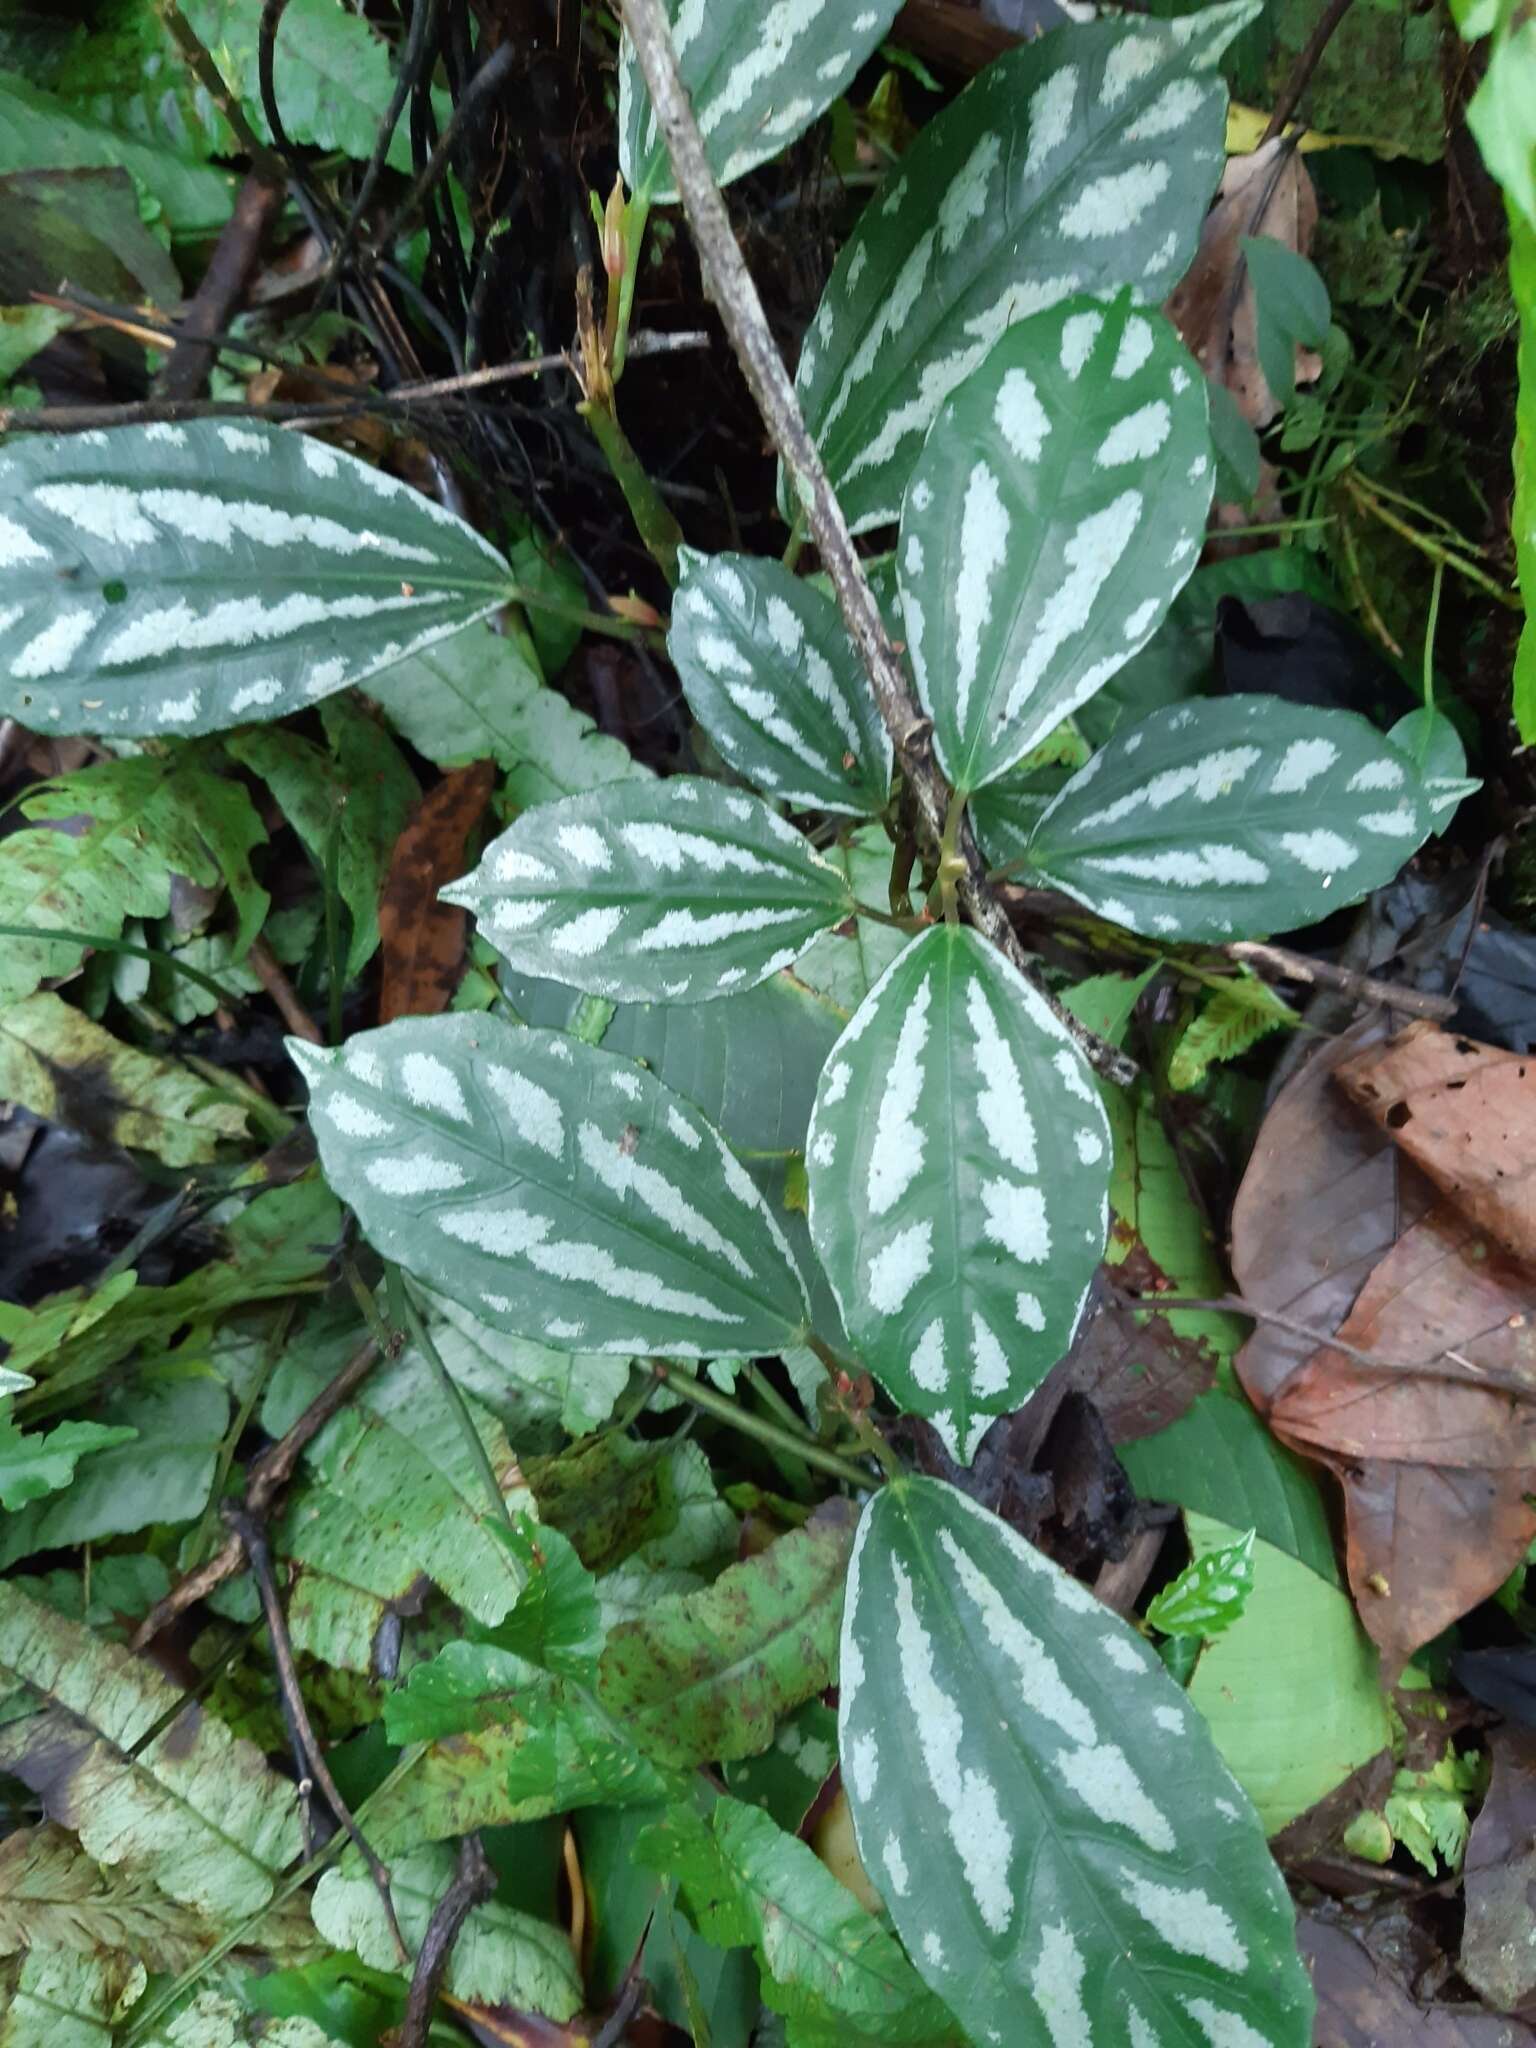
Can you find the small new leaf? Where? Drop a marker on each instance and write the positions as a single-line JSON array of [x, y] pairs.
[[1208, 1595]]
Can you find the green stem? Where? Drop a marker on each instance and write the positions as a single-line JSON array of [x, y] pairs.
[[335, 959], [655, 524], [1368, 501], [402, 1303], [793, 1441], [636, 214], [951, 860], [271, 1351], [99, 944], [1430, 628], [594, 622]]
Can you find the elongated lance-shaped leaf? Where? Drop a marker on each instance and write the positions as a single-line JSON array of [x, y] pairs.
[[555, 1189], [1078, 163], [1064, 1853], [758, 73], [770, 673], [959, 1176], [673, 891], [178, 579], [1240, 815], [1054, 515]]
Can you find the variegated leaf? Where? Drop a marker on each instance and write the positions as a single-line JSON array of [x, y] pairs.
[[558, 1191], [1078, 163], [673, 891], [959, 1173], [1055, 513], [1208, 1595], [180, 579], [1236, 815], [1064, 1853], [770, 673], [758, 73]]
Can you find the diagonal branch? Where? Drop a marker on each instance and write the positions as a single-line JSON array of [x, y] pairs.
[[730, 285]]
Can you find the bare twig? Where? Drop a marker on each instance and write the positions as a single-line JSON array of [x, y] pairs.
[[264, 965], [269, 166], [1302, 70], [473, 1883], [251, 1534], [488, 80], [218, 295], [1365, 988], [270, 1472], [730, 285]]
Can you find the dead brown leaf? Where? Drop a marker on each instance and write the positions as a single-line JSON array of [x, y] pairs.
[[1466, 1114], [1363, 2003], [423, 939], [1132, 1364], [1214, 307], [1498, 1943]]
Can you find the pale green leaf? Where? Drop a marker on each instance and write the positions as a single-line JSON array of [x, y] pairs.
[[502, 1957], [1208, 1595], [1050, 1824], [1236, 816], [1079, 162], [1054, 514], [677, 891], [480, 696], [178, 579], [197, 1809], [535, 1393], [1292, 1691], [770, 673], [55, 1062], [844, 966], [557, 1623], [109, 842], [757, 76], [959, 1164], [63, 1999], [1231, 1019], [578, 1199], [23, 331], [215, 2019], [43, 1462], [704, 1678], [1434, 746], [52, 1896]]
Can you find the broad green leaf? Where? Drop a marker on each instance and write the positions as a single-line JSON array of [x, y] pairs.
[[52, 1896], [1208, 1595], [844, 965], [43, 1462], [557, 1623], [392, 1492], [480, 696], [537, 1395], [69, 1071], [1435, 748], [121, 831], [757, 76], [1293, 309], [160, 1438], [24, 330], [1292, 1691], [123, 1585], [38, 132], [1078, 163], [749, 1061], [66, 2000], [704, 1678], [360, 791], [552, 1188], [827, 1963], [1235, 816], [619, 1500], [87, 226], [959, 1166], [466, 1687], [177, 579], [1055, 512], [196, 1809], [770, 673], [502, 1957], [1051, 1826], [787, 1779], [677, 891]]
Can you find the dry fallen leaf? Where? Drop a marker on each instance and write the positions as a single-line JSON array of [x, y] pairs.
[[423, 939], [1131, 1363], [1498, 1942], [1466, 1114], [1363, 2002]]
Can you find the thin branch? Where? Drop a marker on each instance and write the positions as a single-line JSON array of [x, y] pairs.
[[730, 285], [488, 79], [251, 1534], [270, 1472], [790, 1441], [263, 963], [1365, 988], [473, 1883], [218, 295], [1302, 70]]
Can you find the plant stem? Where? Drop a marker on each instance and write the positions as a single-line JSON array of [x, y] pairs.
[[653, 521], [730, 284], [951, 860], [858, 1418], [725, 1410], [636, 214], [100, 944], [594, 622], [1436, 550]]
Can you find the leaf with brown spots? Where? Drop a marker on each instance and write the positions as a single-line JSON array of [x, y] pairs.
[[423, 939], [1466, 1114], [1135, 1367]]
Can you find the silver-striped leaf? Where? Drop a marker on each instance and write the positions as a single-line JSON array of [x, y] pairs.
[[675, 891], [771, 674], [1078, 163], [1232, 816], [558, 1191], [958, 1162], [758, 73], [1065, 1855], [1055, 513], [183, 579]]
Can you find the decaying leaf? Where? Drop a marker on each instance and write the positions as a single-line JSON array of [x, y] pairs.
[[423, 939], [1498, 1956], [53, 1896], [1362, 2002], [1135, 1367]]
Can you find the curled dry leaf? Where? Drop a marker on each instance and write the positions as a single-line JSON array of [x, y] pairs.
[[1134, 1366], [1466, 1114], [1215, 307], [423, 939]]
